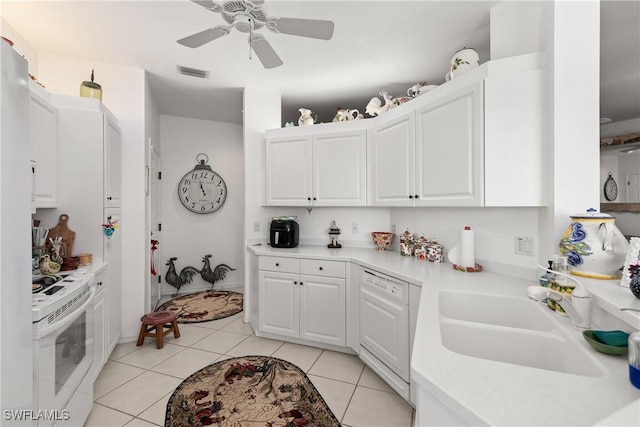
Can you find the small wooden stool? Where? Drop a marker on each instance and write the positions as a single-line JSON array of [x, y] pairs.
[[158, 320]]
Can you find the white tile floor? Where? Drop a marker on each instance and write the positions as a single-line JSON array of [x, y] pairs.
[[135, 385]]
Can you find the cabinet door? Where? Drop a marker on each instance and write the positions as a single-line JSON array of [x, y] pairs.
[[392, 162], [323, 310], [113, 255], [340, 169], [288, 171], [278, 307], [449, 150], [44, 150], [112, 167], [100, 324]]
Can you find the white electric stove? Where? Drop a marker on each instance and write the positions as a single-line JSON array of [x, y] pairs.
[[63, 350]]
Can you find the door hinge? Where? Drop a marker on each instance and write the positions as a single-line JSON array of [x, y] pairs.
[[159, 175], [159, 227], [159, 278]]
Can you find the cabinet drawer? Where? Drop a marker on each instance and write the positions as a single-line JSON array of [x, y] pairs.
[[285, 265], [318, 267]]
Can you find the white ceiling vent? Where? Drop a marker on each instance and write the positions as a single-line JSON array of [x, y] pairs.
[[193, 72]]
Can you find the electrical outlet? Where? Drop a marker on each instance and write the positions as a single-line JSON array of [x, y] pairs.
[[523, 245], [354, 227], [256, 226]]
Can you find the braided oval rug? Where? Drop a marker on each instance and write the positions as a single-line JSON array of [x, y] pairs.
[[248, 391]]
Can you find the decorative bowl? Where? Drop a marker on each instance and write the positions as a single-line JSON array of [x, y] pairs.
[[382, 239], [607, 342]]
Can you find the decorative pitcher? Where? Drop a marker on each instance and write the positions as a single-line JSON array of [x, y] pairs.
[[594, 246], [307, 117]]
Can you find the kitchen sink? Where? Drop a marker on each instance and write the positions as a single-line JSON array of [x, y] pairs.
[[513, 330], [519, 347], [515, 312]]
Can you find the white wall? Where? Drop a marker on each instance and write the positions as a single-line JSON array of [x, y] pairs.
[[314, 226], [261, 110], [187, 235], [495, 229], [124, 94], [21, 45]]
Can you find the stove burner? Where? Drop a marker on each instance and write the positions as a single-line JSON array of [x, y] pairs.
[[43, 283]]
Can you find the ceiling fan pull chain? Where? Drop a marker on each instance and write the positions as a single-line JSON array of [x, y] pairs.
[[250, 37]]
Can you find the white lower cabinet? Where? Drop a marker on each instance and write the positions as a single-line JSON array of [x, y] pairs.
[[303, 298], [100, 323]]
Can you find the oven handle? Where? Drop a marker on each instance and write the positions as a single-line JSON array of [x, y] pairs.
[[70, 319]]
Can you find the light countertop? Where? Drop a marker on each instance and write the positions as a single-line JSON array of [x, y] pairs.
[[486, 392]]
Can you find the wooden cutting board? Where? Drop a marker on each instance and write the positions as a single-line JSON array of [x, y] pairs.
[[68, 236]]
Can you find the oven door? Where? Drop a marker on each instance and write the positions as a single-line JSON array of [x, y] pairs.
[[63, 357]]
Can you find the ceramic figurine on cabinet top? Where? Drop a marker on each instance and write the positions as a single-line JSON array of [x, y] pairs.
[[462, 61], [345, 114], [307, 117], [419, 89], [375, 106]]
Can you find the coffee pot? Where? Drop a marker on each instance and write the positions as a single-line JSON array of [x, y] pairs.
[[594, 246]]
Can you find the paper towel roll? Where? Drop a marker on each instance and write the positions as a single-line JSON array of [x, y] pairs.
[[463, 254], [467, 248]]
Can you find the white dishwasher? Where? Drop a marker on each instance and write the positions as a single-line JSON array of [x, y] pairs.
[[384, 328]]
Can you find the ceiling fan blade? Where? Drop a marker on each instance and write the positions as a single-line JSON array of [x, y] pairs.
[[198, 39], [313, 28], [209, 5], [265, 52]]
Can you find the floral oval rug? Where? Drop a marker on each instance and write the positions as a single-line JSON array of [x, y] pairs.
[[248, 391], [204, 306]]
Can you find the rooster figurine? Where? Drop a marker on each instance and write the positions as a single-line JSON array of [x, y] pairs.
[[212, 276], [178, 281]]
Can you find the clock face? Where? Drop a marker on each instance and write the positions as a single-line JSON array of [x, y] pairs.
[[202, 190], [610, 189]]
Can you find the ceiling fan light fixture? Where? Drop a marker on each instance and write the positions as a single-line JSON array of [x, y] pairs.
[[243, 23]]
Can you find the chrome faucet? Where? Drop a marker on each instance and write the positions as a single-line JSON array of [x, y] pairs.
[[578, 306]]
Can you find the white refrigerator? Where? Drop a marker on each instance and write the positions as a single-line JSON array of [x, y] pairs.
[[16, 359]]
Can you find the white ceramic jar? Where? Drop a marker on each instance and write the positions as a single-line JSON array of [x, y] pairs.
[[594, 246]]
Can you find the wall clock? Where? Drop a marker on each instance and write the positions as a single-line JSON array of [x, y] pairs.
[[610, 189], [202, 190]]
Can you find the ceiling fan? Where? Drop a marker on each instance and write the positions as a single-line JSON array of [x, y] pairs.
[[248, 16]]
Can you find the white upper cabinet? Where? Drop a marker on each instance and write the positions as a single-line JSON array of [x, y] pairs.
[[449, 150], [392, 153], [478, 140], [288, 171], [314, 167], [431, 155], [44, 147], [340, 169]]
